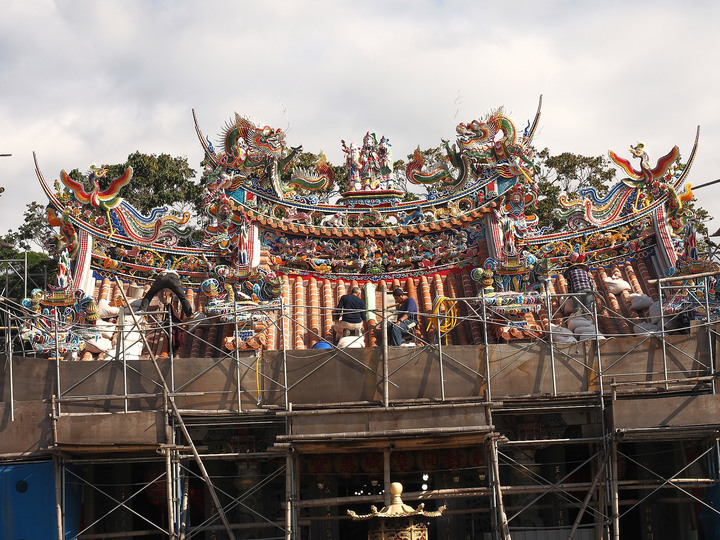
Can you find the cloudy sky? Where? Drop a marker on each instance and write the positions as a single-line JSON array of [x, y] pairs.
[[88, 82]]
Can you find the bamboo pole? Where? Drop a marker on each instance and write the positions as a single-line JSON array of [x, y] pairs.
[[59, 498], [169, 493], [615, 507]]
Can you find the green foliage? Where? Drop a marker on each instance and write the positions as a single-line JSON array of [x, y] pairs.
[[431, 155], [568, 173], [158, 180], [695, 214], [571, 172], [34, 230], [40, 269], [547, 203]]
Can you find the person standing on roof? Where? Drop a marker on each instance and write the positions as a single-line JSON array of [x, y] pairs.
[[579, 281], [406, 317], [349, 313]]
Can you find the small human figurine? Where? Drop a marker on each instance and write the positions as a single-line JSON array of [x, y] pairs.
[[407, 317], [349, 313]]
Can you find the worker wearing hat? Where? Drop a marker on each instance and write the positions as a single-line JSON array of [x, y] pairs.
[[406, 317]]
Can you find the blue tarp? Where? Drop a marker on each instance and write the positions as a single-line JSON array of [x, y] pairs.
[[27, 503]]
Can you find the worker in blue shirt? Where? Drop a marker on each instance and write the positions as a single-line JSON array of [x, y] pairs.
[[406, 317]]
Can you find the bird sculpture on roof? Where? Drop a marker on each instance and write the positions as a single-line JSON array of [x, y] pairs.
[[104, 200]]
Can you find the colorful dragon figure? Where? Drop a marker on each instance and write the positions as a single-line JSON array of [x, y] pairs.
[[251, 151], [643, 188], [159, 226], [67, 240], [493, 143], [322, 177], [489, 145], [440, 173]]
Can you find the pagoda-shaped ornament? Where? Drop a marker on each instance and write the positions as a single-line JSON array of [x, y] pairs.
[[398, 521]]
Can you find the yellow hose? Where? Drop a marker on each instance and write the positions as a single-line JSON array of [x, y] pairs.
[[447, 307], [257, 372]]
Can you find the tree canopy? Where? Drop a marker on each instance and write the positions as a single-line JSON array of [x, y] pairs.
[[568, 173], [159, 180]]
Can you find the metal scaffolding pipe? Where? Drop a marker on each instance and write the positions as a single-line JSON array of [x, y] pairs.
[[385, 352], [169, 400], [586, 500]]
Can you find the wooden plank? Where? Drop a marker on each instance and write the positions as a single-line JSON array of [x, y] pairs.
[[322, 376], [33, 379], [375, 422], [523, 369], [112, 429], [675, 411], [30, 432], [632, 359], [415, 372]]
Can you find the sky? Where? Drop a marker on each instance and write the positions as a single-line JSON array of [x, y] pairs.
[[89, 82]]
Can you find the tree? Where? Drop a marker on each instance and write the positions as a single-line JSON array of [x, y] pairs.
[[158, 180], [34, 230], [40, 269], [568, 173]]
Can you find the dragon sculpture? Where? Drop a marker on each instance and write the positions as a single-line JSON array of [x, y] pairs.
[[250, 151], [491, 144]]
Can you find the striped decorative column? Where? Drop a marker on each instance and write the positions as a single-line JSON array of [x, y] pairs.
[[645, 274], [425, 304], [314, 312], [475, 328], [617, 324], [453, 291], [299, 313], [328, 307], [286, 321]]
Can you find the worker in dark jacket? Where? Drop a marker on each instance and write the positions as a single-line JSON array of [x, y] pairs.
[[168, 279], [349, 313]]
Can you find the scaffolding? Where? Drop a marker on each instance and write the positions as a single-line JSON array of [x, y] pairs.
[[577, 440]]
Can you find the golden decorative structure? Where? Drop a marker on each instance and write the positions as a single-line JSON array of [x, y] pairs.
[[398, 520]]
